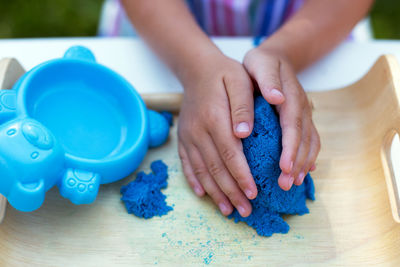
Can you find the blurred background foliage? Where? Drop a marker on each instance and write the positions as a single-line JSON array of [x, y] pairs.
[[385, 19], [54, 18], [49, 18]]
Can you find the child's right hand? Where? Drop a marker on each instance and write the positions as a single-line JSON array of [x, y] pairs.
[[216, 112], [272, 71]]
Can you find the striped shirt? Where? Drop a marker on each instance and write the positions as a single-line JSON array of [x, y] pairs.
[[242, 17], [258, 18]]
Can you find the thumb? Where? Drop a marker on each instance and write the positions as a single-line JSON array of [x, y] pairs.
[[266, 72], [240, 93]]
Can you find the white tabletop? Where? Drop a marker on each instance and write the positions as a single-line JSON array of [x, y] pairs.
[[132, 59]]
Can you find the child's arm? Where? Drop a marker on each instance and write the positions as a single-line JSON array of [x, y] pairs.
[[317, 28], [218, 102]]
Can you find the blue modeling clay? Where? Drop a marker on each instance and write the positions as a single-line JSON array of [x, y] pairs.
[[263, 150], [143, 196]]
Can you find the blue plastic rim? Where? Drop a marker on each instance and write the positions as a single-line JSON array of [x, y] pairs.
[[95, 114], [74, 123]]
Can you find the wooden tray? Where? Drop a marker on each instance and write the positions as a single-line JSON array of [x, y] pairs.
[[350, 223]]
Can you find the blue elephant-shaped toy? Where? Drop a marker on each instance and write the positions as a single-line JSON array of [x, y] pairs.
[[73, 123]]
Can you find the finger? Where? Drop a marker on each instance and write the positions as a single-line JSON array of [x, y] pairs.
[[223, 178], [188, 171], [240, 94], [230, 150], [285, 181], [291, 120], [313, 167], [297, 172], [291, 136], [266, 72], [315, 146], [208, 183]]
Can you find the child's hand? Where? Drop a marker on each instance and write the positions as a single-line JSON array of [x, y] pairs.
[[300, 140], [217, 111]]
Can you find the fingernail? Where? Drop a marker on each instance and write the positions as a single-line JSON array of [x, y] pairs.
[[243, 127], [276, 92], [223, 208], [249, 193], [198, 191], [300, 178], [241, 210], [290, 182]]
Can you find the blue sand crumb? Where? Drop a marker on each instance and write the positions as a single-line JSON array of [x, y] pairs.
[[143, 196], [263, 150], [168, 116], [207, 260]]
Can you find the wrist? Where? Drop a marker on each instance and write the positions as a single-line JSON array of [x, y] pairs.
[[196, 64], [288, 48]]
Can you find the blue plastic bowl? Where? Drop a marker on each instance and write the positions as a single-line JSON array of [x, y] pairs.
[[74, 123]]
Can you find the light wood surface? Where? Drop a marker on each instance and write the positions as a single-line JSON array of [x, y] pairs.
[[350, 223], [163, 101], [10, 71]]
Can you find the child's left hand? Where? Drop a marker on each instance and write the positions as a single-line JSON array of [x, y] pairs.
[[273, 73]]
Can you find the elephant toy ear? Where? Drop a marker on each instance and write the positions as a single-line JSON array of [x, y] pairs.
[[159, 128], [79, 52], [27, 197], [8, 105]]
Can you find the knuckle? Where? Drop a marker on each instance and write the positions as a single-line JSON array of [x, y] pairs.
[[241, 110], [208, 113], [298, 123], [228, 154], [215, 169], [199, 172], [211, 117]]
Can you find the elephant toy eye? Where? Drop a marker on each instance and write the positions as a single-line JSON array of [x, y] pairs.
[[37, 135], [31, 135]]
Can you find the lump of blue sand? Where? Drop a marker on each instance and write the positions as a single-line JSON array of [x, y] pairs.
[[143, 196], [263, 150]]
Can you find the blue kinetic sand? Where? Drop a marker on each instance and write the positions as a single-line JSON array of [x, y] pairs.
[[143, 196], [263, 150], [73, 123]]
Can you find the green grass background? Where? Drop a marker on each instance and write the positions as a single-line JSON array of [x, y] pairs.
[[56, 18]]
